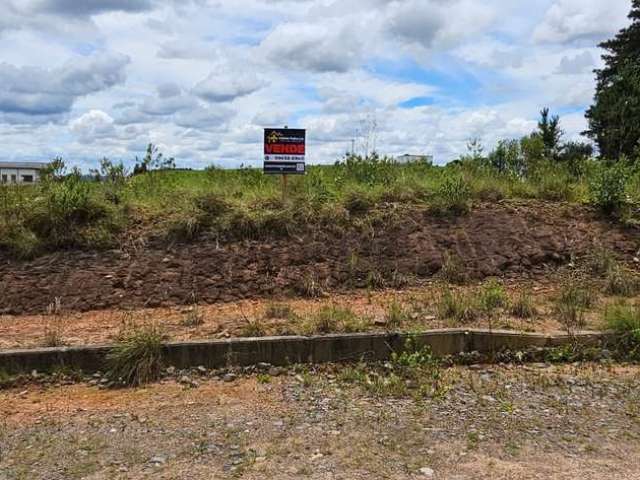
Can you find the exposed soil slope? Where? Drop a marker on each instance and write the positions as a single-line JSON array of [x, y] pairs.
[[513, 239]]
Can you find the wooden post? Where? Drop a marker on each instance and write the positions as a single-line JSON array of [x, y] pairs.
[[284, 187]]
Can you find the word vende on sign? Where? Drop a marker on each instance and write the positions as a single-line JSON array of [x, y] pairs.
[[284, 151]]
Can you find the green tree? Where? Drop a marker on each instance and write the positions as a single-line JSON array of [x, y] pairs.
[[550, 132], [153, 160], [614, 117]]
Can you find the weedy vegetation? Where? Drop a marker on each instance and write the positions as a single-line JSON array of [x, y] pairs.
[[624, 320], [65, 210], [333, 319], [136, 358], [523, 306], [458, 306], [54, 324], [414, 371], [573, 301]]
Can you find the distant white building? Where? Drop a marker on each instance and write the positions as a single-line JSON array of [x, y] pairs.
[[406, 158], [20, 172]]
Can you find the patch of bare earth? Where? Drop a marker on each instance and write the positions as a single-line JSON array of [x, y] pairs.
[[496, 422], [223, 320]]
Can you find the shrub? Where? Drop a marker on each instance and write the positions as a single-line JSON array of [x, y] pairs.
[[554, 184], [278, 311], [620, 281], [607, 187], [54, 325], [522, 306], [137, 358], [333, 319], [253, 327], [625, 321], [452, 196], [601, 261], [453, 270], [193, 317], [396, 315], [457, 306], [492, 296], [357, 202], [572, 303], [19, 241], [310, 287], [58, 216]]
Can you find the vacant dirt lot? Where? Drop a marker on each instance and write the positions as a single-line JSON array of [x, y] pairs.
[[513, 239], [501, 422]]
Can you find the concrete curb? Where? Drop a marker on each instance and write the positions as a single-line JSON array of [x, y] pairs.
[[296, 349]]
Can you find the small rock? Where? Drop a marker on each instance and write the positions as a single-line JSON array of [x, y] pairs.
[[158, 460], [275, 371], [171, 370], [229, 377], [202, 369], [185, 380], [426, 472], [263, 366]]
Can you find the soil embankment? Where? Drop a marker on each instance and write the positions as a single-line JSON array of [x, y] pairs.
[[508, 239]]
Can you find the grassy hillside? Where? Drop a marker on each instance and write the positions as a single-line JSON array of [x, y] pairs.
[[65, 211]]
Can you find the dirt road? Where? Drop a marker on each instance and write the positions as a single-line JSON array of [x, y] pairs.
[[536, 422]]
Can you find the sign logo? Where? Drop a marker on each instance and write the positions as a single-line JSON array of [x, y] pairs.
[[273, 137], [284, 151]]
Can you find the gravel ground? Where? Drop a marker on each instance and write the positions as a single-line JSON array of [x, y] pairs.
[[489, 422]]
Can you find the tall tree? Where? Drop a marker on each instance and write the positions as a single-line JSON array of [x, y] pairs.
[[550, 132], [614, 118]]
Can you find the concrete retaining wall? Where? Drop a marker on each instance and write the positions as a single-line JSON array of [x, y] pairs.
[[293, 349]]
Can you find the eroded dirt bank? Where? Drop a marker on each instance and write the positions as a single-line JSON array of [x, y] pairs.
[[508, 239]]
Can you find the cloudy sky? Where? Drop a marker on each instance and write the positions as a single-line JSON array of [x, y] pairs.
[[201, 78]]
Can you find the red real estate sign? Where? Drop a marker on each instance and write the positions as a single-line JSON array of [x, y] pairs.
[[284, 151]]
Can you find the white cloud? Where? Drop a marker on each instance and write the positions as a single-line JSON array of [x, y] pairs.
[[93, 125], [227, 83], [580, 63], [571, 20], [34, 91], [202, 77], [332, 46]]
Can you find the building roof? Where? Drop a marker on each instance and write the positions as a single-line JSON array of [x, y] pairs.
[[31, 165]]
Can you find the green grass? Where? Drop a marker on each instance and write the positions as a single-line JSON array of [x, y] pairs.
[[245, 204], [460, 307], [522, 306], [624, 319], [396, 315], [414, 371], [334, 319], [136, 358], [573, 301]]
